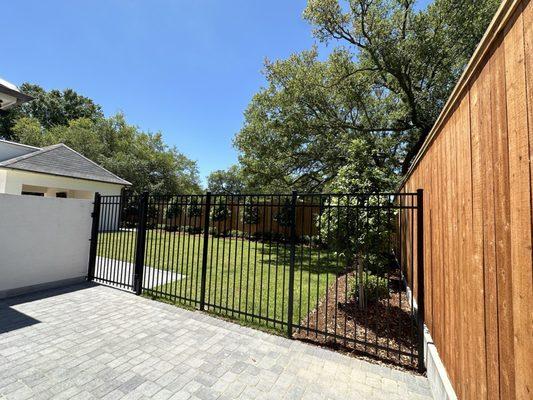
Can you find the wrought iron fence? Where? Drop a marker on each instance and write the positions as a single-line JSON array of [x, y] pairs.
[[318, 267]]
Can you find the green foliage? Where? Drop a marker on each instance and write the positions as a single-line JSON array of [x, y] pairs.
[[28, 131], [130, 212], [194, 209], [220, 212], [375, 288], [384, 83], [365, 228], [53, 108], [141, 158], [230, 181], [284, 214], [174, 210], [250, 214]]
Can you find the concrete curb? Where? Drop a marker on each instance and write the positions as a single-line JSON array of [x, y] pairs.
[[440, 384]]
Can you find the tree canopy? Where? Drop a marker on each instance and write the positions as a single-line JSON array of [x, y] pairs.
[[140, 157], [384, 83], [229, 181]]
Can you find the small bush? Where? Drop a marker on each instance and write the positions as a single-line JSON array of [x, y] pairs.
[[284, 215], [267, 236], [220, 212], [250, 215], [194, 209], [375, 288], [192, 230], [174, 210]]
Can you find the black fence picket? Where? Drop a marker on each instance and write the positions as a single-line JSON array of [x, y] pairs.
[[336, 269]]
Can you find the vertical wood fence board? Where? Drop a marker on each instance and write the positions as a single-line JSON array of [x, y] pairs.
[[528, 54], [489, 249], [478, 110], [454, 191], [466, 234], [520, 182], [502, 221], [428, 277]]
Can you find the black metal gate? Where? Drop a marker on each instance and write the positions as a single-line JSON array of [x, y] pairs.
[[330, 268]]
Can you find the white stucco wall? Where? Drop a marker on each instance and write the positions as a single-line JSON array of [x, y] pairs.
[[42, 241], [11, 182]]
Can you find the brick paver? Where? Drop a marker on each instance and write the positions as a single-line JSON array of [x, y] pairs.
[[88, 342]]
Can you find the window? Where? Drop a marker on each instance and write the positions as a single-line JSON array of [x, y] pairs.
[[62, 195], [32, 194]]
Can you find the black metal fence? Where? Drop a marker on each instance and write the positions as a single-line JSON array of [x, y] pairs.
[[318, 267]]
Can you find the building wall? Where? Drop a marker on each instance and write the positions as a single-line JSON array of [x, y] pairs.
[[12, 181], [42, 241], [476, 172]]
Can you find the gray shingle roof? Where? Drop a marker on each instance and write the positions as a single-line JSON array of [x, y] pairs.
[[60, 159]]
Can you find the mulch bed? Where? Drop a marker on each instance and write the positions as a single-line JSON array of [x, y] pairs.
[[386, 323]]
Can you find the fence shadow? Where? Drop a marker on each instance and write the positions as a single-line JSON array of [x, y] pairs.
[[12, 319]]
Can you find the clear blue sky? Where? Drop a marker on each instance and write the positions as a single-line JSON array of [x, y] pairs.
[[187, 68]]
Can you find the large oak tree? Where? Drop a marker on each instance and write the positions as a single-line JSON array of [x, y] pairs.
[[386, 80]]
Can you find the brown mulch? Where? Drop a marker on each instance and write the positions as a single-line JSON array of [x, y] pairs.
[[385, 323]]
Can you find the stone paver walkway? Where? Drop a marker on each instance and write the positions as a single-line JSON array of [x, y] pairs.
[[91, 341]]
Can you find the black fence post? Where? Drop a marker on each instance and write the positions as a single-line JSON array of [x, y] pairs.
[[292, 262], [94, 236], [141, 243], [204, 252], [420, 276]]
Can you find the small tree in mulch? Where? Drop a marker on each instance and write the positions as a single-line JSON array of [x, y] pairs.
[[284, 215], [174, 210], [250, 215], [360, 226], [220, 212], [374, 288], [130, 213], [194, 209]]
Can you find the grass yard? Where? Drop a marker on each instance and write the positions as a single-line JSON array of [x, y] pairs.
[[243, 277]]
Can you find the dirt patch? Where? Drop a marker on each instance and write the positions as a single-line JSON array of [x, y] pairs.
[[384, 330]]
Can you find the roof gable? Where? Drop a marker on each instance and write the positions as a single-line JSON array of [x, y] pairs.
[[61, 160], [9, 150]]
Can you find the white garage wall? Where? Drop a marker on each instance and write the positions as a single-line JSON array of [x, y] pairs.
[[44, 242], [12, 180]]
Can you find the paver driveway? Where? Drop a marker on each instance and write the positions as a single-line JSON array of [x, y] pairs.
[[92, 341]]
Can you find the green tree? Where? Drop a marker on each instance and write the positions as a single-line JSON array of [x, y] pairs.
[[28, 131], [142, 158], [50, 108], [384, 83], [229, 181]]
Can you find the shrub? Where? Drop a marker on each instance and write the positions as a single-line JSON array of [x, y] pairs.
[[193, 230], [250, 215], [359, 227], [375, 288], [220, 212], [175, 209], [194, 209], [284, 215]]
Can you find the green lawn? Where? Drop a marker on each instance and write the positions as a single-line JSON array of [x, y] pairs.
[[248, 276]]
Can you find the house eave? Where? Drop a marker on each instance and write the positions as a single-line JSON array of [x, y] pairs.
[[123, 184]]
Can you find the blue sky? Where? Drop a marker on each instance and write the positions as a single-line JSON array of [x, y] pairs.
[[185, 68]]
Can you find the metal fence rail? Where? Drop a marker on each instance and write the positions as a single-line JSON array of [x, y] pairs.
[[318, 267]]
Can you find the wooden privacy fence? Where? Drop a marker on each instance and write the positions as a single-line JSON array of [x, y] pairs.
[[258, 215], [475, 169]]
